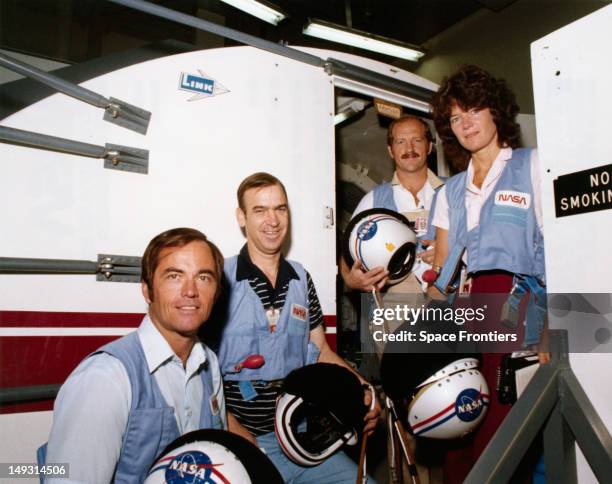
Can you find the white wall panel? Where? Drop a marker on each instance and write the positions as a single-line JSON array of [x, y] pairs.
[[276, 117], [572, 74]]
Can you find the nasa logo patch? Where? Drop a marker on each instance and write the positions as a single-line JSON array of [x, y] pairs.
[[468, 405], [193, 467], [511, 198], [367, 230]]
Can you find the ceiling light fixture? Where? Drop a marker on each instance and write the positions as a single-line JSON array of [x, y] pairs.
[[266, 11], [363, 40]]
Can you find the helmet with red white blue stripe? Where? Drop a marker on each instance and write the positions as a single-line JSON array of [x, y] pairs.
[[450, 403], [381, 238], [211, 456]]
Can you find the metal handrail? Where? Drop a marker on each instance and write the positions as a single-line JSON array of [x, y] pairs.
[[553, 401], [116, 156], [332, 66], [207, 26], [19, 265], [14, 395], [117, 268], [116, 111]]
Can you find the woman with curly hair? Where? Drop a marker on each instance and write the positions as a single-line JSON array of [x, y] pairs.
[[488, 217]]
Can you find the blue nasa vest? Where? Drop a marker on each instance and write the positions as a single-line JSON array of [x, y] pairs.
[[431, 230], [246, 331], [508, 237], [151, 424], [383, 198]]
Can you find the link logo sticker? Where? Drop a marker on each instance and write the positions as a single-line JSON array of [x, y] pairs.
[[201, 84], [511, 198]]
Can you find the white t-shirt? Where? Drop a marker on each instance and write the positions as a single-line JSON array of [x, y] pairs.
[[404, 199]]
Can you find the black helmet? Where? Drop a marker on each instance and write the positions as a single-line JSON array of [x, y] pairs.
[[320, 409]]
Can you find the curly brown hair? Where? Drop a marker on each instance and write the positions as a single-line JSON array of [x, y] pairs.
[[472, 87]]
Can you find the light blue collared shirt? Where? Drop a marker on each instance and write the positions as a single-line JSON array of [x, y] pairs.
[[91, 410]]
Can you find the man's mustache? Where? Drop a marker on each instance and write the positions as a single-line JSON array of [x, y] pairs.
[[410, 154]]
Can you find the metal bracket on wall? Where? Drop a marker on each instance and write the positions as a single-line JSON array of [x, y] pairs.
[[366, 76], [116, 157], [115, 111], [328, 217], [126, 115], [111, 268], [118, 268], [125, 158]]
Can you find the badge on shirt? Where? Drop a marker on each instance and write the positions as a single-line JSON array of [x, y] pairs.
[[510, 198], [247, 390], [510, 207], [214, 405], [299, 312], [420, 224], [272, 314]]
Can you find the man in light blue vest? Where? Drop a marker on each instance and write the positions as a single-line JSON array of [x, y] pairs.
[[273, 310], [128, 400], [410, 192]]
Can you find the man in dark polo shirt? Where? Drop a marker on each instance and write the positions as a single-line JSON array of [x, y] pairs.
[[273, 310]]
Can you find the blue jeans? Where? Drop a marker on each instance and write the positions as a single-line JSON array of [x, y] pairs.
[[338, 469]]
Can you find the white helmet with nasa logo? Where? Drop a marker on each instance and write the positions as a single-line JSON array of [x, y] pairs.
[[381, 238], [211, 456], [450, 403]]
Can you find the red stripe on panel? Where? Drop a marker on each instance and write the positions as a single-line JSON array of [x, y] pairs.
[[332, 339], [46, 360], [42, 360], [329, 320], [14, 319]]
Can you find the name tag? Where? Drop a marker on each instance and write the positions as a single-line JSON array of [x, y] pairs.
[[509, 198], [214, 405], [299, 312], [246, 390], [272, 314], [420, 225]]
